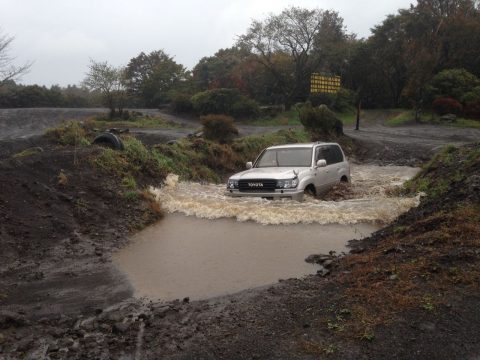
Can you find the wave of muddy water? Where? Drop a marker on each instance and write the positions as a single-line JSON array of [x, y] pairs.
[[368, 200], [215, 251]]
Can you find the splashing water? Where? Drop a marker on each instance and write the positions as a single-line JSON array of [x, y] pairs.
[[367, 200]]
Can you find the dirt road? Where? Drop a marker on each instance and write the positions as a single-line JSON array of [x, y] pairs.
[[28, 122]]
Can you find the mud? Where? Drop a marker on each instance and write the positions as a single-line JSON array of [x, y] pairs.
[[184, 256]]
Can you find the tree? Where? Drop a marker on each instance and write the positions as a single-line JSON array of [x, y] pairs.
[[294, 33], [150, 77], [454, 83], [219, 70], [9, 71], [109, 81]]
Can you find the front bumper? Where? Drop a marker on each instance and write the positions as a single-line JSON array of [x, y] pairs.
[[294, 194]]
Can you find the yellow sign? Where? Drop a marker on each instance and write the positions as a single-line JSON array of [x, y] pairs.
[[324, 84]]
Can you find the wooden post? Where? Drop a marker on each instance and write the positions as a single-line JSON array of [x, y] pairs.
[[359, 108]]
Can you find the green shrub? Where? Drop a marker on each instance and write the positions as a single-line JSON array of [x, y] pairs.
[[220, 128], [453, 83], [472, 96], [129, 182], [134, 160], [69, 133], [341, 101], [181, 103], [320, 121], [245, 108], [224, 101]]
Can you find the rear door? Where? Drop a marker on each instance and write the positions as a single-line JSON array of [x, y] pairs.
[[336, 164], [323, 175], [332, 173]]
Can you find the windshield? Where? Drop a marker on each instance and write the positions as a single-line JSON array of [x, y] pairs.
[[285, 157]]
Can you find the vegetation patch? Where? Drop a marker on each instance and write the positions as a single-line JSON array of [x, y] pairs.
[[69, 133], [430, 254], [28, 152], [140, 122], [320, 121]]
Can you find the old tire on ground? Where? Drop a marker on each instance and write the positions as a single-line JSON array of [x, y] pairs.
[[110, 140]]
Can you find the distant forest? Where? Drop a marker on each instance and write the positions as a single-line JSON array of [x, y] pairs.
[[413, 58]]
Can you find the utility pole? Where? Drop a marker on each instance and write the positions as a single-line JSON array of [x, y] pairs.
[[359, 108]]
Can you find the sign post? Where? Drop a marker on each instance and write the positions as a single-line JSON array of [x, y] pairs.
[[324, 84]]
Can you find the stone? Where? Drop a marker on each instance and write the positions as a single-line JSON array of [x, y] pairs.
[[317, 259], [25, 344], [323, 272], [120, 328], [327, 263], [427, 326], [449, 117], [10, 318], [53, 347]]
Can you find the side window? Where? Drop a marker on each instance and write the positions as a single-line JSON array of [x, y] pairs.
[[324, 152], [319, 153], [336, 154]]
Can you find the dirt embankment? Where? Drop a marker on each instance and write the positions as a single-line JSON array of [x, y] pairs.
[[409, 291]]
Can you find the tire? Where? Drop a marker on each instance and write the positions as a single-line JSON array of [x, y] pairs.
[[110, 140], [310, 190]]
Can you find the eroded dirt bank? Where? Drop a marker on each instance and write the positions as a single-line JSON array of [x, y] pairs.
[[409, 291]]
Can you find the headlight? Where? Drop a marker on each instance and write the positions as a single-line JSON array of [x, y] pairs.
[[232, 184], [287, 184]]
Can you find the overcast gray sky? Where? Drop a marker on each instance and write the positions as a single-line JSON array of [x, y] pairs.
[[60, 36]]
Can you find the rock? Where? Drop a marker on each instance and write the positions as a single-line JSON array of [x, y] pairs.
[[393, 277], [105, 327], [68, 342], [317, 259], [114, 317], [75, 346], [10, 318], [53, 347], [25, 344], [327, 263], [323, 272], [186, 299], [357, 250], [427, 326], [120, 328], [449, 118]]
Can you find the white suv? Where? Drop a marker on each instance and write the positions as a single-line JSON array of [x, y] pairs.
[[288, 171]]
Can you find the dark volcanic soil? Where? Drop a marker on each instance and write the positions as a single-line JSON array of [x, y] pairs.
[[60, 297]]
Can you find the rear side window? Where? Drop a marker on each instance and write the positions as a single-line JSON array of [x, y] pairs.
[[330, 153]]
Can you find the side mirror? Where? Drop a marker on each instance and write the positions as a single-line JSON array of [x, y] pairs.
[[321, 163], [249, 165]]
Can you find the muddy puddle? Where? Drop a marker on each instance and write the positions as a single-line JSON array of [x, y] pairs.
[[211, 245], [185, 256]]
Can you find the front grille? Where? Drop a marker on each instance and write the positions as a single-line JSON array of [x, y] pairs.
[[257, 185]]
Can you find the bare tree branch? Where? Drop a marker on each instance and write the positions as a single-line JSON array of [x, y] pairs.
[[8, 70]]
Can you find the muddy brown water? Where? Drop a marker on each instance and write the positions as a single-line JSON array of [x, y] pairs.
[[211, 245], [185, 256]]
